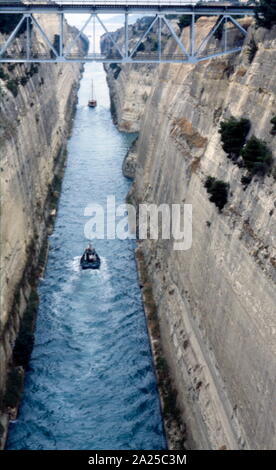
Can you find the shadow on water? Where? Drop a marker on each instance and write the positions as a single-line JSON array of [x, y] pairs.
[[91, 383]]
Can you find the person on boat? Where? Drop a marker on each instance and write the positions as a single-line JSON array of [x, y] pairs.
[[90, 253]]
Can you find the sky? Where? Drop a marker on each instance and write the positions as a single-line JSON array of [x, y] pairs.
[[111, 22]]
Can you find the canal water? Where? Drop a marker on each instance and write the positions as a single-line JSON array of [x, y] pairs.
[[91, 383]]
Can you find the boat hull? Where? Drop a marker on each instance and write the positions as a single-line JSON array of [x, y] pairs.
[[90, 264]]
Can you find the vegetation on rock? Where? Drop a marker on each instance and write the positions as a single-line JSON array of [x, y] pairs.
[[141, 47], [218, 191], [273, 122], [233, 135], [252, 49], [246, 180], [186, 20], [22, 79], [9, 22], [12, 85], [3, 74], [256, 155], [117, 70], [265, 13]]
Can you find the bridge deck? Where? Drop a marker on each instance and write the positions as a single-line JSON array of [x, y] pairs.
[[123, 7], [192, 52]]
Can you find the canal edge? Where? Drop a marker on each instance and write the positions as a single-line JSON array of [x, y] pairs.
[[175, 429], [26, 301]]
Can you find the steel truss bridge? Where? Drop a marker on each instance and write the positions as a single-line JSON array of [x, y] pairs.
[[225, 36]]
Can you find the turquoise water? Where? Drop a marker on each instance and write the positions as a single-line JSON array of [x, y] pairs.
[[91, 383]]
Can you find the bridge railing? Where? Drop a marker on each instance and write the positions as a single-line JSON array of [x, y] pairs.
[[127, 2]]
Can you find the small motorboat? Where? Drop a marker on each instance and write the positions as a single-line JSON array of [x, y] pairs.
[[90, 259]]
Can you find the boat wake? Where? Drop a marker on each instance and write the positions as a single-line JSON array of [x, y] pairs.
[[103, 272]]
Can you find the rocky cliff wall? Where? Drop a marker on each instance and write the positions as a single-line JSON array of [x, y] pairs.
[[129, 85], [128, 94], [36, 108], [216, 301]]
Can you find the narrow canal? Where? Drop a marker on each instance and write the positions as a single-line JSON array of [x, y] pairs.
[[91, 383]]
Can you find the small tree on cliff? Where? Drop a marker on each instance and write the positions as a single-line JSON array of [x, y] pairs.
[[265, 13], [233, 135], [218, 191], [184, 21], [257, 156]]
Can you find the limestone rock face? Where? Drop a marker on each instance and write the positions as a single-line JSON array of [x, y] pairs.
[[129, 163], [33, 131], [129, 94], [216, 301], [130, 84]]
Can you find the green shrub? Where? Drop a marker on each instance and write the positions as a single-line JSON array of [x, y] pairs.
[[265, 13], [184, 21], [257, 157], [11, 67], [218, 191], [162, 366], [23, 80], [141, 47], [117, 70], [273, 122], [3, 75], [233, 135], [246, 180], [9, 22], [12, 85], [32, 70], [251, 50]]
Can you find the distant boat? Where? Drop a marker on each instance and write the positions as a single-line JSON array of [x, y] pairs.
[[92, 103]]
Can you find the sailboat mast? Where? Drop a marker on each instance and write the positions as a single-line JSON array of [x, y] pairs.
[[92, 103]]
